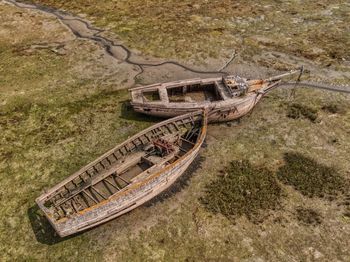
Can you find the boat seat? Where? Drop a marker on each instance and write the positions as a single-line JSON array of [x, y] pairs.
[[148, 160], [163, 94], [222, 90]]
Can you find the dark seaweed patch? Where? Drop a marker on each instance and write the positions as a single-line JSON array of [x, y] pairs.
[[243, 189], [296, 111], [334, 108], [311, 178], [308, 216]]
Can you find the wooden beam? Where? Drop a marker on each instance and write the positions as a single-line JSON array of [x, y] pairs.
[[98, 192], [127, 182], [110, 183], [187, 141], [90, 196], [107, 187]]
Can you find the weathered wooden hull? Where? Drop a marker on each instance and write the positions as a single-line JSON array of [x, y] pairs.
[[217, 112], [120, 206], [226, 98], [130, 197]]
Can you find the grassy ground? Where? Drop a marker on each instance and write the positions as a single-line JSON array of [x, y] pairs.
[[61, 106]]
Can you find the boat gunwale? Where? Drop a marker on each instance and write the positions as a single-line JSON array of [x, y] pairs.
[[165, 84]]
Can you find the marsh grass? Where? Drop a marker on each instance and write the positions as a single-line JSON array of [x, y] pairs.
[[296, 110], [331, 108], [335, 108], [310, 177], [243, 190], [308, 216]]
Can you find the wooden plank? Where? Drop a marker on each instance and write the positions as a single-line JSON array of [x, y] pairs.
[[193, 132], [89, 173], [182, 150], [110, 183], [176, 126], [169, 129], [149, 140], [98, 192], [101, 164], [115, 181], [84, 199], [90, 196], [109, 161], [73, 205], [107, 187], [127, 182], [121, 152], [187, 141]]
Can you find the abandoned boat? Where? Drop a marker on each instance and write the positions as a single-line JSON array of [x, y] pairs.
[[126, 176], [225, 98]]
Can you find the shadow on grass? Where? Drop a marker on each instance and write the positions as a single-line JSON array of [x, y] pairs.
[[128, 113], [43, 231]]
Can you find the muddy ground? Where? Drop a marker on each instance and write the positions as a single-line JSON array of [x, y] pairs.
[[63, 102]]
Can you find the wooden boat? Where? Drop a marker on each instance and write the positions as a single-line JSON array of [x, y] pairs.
[[126, 176], [225, 98]]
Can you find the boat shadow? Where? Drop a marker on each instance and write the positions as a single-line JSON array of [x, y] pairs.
[[42, 229], [128, 113]]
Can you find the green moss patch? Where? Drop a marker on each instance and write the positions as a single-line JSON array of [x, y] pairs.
[[243, 189], [297, 110], [311, 178]]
